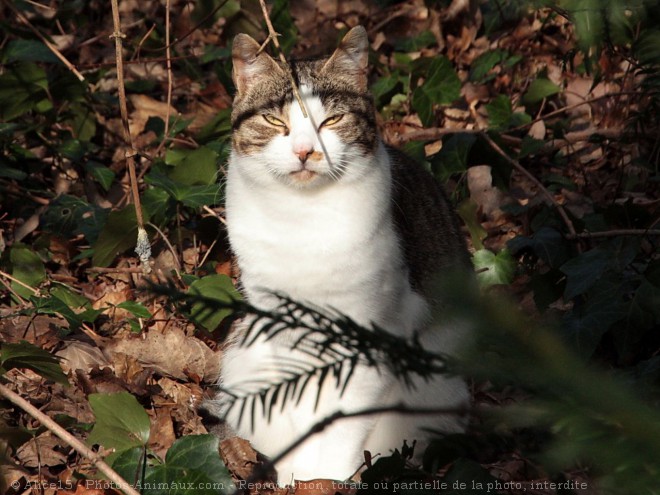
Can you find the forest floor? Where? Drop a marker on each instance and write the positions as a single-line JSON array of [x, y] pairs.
[[567, 152]]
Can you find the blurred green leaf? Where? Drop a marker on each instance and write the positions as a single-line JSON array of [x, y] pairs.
[[118, 235], [494, 269], [213, 287], [135, 308], [539, 89], [27, 267], [26, 50]]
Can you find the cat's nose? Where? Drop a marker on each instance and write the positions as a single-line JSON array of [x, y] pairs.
[[303, 153]]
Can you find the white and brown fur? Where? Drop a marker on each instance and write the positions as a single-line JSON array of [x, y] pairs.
[[322, 211]]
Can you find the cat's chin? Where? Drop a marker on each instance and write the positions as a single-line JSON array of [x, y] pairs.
[[304, 178]]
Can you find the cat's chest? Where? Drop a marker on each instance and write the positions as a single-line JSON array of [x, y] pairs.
[[314, 246]]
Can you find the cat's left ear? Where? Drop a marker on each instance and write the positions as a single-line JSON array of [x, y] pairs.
[[351, 57], [249, 63]]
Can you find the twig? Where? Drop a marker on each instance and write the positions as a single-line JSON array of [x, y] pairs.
[[560, 209], [321, 425], [19, 282], [272, 34], [431, 134], [43, 39], [613, 233], [129, 269], [142, 248], [72, 441], [168, 55]]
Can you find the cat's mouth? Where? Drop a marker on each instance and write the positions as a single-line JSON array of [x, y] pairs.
[[303, 175]]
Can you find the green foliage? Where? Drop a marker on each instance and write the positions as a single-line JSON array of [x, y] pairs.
[[26, 267], [26, 355], [441, 86], [121, 422], [192, 461], [215, 287]]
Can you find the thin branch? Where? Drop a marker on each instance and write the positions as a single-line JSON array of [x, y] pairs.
[[19, 282], [168, 56], [324, 423], [613, 233], [272, 34], [431, 134], [560, 209], [143, 240], [70, 440], [43, 39]]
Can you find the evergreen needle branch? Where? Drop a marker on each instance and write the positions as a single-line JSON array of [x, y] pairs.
[[49, 45], [261, 471], [70, 440], [143, 249], [272, 34]]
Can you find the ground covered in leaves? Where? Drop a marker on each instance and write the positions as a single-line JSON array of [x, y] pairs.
[[544, 134]]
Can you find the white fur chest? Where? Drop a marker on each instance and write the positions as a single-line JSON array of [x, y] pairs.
[[333, 246]]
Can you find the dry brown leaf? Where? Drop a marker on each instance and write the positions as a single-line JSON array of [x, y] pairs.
[[171, 354], [161, 435], [81, 356], [43, 450], [145, 107], [239, 457]]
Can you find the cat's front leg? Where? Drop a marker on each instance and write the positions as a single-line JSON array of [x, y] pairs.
[[335, 453]]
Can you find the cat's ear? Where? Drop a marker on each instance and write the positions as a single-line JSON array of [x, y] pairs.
[[248, 63], [351, 57]]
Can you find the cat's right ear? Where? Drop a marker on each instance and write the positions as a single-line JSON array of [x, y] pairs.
[[248, 63]]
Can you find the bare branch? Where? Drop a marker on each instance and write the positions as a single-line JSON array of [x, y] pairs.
[[43, 39], [272, 34], [142, 244]]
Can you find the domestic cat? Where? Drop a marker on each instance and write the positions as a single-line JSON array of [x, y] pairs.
[[320, 210]]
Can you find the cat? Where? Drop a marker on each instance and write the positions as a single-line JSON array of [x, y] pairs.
[[320, 210]]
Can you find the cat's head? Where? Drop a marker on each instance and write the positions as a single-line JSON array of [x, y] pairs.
[[339, 134]]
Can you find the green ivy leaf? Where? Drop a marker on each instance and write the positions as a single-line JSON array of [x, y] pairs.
[[497, 268], [539, 89], [215, 287], [441, 87], [453, 157], [121, 422], [135, 308], [101, 174], [481, 66], [26, 355], [499, 111], [585, 325], [118, 235], [193, 167], [26, 50], [192, 196], [583, 271]]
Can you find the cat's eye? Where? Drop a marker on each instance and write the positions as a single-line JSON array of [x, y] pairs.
[[331, 120], [272, 120]]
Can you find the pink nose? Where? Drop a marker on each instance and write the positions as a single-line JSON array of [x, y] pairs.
[[303, 153]]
